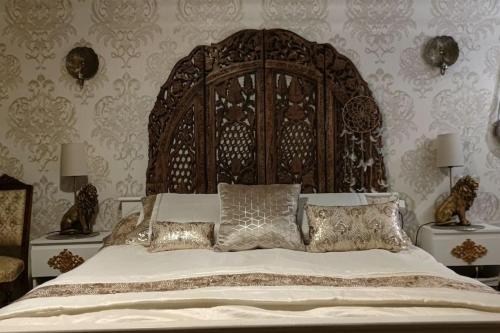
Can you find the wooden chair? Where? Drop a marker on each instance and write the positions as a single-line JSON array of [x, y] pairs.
[[15, 215]]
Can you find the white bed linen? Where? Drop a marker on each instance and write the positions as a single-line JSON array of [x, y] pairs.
[[227, 306]]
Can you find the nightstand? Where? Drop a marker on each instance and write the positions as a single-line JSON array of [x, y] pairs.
[[50, 258], [457, 249]]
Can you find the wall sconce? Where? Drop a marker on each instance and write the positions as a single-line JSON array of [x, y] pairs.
[[82, 63], [442, 52]]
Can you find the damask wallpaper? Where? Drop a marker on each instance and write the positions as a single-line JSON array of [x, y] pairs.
[[138, 42]]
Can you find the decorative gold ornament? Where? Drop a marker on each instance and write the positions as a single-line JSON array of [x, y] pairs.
[[469, 251], [460, 200], [65, 261]]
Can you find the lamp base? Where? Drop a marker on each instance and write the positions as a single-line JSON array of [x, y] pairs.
[[71, 236], [458, 227]]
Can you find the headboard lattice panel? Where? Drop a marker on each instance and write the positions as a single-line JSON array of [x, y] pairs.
[[262, 107]]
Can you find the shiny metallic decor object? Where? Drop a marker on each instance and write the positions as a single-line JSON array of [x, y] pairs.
[[442, 52], [80, 218], [469, 251], [459, 201], [82, 63], [65, 261]]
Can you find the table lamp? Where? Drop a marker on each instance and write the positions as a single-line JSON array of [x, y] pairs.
[[449, 153], [73, 162]]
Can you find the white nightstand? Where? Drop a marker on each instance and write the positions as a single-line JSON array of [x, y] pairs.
[[50, 258], [471, 253], [461, 248]]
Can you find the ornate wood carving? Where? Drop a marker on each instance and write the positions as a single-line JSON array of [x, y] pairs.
[[469, 251], [261, 107], [236, 146], [65, 261]]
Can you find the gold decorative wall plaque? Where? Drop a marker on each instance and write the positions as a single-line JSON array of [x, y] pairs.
[[469, 251], [65, 261]]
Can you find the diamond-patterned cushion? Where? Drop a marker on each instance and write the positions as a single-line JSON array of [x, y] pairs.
[[10, 268], [258, 216]]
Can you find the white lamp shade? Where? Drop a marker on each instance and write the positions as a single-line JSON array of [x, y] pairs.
[[449, 150], [73, 160]]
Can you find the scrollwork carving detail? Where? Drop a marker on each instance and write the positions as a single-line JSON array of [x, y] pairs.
[[469, 251], [256, 102], [65, 261]]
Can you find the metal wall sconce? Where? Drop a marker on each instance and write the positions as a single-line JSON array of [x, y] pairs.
[[82, 63], [442, 52]]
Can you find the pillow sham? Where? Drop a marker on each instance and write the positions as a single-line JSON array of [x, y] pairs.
[[169, 236], [258, 216], [121, 230], [352, 228]]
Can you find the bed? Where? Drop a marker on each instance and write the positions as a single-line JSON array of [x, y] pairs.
[[260, 107]]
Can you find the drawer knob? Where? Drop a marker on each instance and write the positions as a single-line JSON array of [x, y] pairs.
[[65, 261], [469, 251]]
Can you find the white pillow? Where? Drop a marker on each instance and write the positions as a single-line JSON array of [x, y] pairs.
[[380, 197], [325, 199], [175, 207]]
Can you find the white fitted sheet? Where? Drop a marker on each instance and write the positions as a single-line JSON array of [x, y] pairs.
[[228, 306]]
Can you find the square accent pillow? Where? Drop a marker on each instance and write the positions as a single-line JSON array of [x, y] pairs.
[[258, 216], [352, 228], [169, 236]]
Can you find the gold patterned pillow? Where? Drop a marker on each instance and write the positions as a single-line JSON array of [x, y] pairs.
[[352, 228], [139, 236], [258, 216], [169, 236], [121, 230], [148, 204]]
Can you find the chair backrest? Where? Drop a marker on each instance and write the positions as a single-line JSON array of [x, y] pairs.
[[15, 216]]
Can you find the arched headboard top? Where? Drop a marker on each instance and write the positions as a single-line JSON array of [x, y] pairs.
[[262, 107]]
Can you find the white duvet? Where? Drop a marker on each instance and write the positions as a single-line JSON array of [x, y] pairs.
[[251, 305]]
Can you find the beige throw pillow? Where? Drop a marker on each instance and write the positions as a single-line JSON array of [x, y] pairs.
[[351, 228], [258, 216]]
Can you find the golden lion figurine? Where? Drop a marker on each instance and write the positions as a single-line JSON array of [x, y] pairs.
[[460, 200]]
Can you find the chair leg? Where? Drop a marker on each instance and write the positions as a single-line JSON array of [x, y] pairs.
[[7, 289], [3, 296]]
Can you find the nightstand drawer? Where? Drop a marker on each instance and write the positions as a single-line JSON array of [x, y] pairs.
[[51, 257], [459, 251], [52, 260], [453, 248]]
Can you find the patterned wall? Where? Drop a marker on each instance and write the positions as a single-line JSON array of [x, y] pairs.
[[138, 42]]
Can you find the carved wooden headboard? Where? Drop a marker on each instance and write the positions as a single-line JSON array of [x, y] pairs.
[[262, 107]]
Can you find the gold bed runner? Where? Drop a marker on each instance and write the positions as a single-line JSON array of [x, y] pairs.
[[251, 280]]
